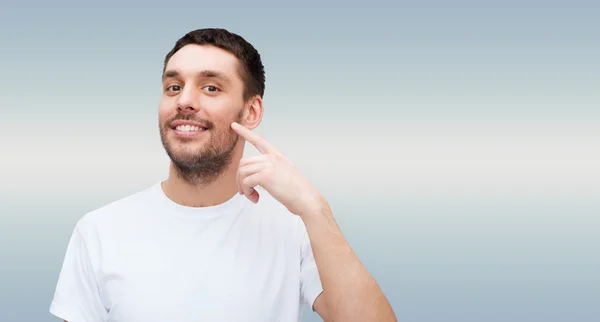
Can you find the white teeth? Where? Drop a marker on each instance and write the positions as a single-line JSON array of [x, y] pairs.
[[188, 128]]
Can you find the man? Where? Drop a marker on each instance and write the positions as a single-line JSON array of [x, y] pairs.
[[223, 238]]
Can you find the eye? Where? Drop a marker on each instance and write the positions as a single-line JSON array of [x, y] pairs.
[[212, 89], [173, 88]]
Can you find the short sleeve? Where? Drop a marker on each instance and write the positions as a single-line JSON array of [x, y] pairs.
[[77, 297], [310, 282]]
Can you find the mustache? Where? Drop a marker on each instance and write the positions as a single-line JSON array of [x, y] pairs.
[[187, 117]]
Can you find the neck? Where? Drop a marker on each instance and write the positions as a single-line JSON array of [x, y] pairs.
[[213, 193]]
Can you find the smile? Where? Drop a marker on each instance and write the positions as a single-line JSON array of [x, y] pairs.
[[189, 128], [189, 131]]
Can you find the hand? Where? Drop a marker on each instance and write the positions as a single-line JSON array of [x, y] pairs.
[[277, 175]]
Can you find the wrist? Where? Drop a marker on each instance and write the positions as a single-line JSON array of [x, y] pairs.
[[316, 207]]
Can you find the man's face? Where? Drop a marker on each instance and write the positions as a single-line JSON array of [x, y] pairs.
[[202, 95]]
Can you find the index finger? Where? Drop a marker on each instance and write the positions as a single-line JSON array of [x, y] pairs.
[[256, 140]]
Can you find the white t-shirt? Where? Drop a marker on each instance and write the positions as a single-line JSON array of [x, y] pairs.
[[145, 258]]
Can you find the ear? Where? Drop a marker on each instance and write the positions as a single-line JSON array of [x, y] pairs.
[[252, 113]]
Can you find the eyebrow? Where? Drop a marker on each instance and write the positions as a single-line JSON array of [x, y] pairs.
[[204, 74]]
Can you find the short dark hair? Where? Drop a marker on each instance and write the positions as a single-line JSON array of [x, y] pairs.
[[251, 70]]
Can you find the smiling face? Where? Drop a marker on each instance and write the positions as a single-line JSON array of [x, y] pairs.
[[202, 95]]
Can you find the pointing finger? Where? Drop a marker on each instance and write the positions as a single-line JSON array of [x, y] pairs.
[[261, 144]]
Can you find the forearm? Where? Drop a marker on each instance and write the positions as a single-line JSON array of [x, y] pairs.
[[350, 292]]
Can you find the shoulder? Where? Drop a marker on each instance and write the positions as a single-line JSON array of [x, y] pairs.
[[116, 213]]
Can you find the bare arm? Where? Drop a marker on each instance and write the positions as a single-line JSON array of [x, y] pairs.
[[350, 293]]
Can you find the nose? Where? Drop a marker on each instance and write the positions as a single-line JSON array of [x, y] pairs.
[[187, 101]]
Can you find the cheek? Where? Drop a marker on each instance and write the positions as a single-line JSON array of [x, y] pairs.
[[164, 110], [222, 111]]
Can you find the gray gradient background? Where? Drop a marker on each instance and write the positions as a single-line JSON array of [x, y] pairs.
[[459, 147]]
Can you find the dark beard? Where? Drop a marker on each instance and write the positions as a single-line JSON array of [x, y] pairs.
[[205, 165]]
